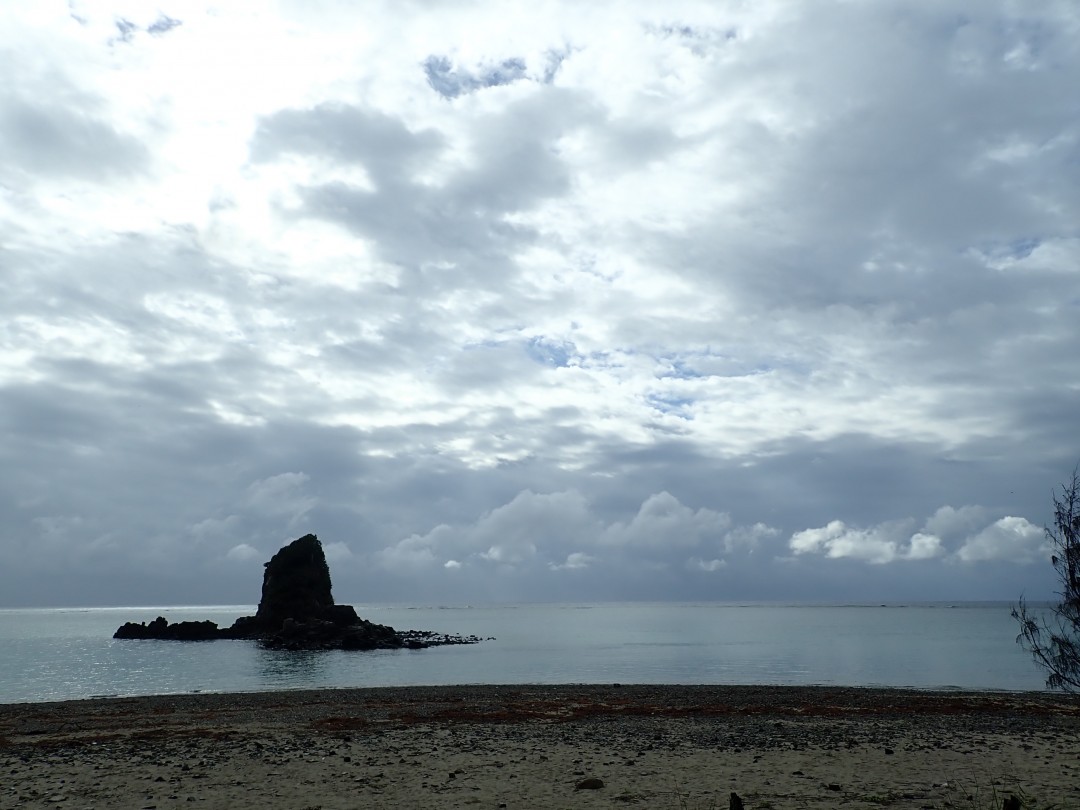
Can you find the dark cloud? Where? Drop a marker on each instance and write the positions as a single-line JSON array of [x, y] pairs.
[[59, 141], [735, 306], [442, 233], [384, 145]]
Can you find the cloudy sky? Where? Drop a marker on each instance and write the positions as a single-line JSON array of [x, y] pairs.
[[549, 301]]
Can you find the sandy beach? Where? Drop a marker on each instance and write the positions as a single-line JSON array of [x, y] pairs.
[[543, 746]]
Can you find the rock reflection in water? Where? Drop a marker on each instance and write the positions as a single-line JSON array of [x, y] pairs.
[[301, 668]]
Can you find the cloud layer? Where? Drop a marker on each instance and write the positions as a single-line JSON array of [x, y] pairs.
[[719, 300]]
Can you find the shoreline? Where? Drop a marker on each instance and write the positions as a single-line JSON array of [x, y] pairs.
[[533, 745], [823, 687]]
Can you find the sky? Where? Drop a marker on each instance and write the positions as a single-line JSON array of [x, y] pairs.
[[547, 301]]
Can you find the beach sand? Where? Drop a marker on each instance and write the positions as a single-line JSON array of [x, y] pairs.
[[543, 746]]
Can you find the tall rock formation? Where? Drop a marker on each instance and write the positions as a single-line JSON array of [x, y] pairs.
[[297, 612], [296, 585]]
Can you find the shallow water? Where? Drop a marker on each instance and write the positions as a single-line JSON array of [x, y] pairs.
[[55, 654]]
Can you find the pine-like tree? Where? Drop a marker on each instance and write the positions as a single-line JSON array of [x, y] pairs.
[[1055, 644]]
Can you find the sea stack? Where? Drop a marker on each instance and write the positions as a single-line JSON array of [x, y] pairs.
[[296, 584], [296, 612], [297, 607]]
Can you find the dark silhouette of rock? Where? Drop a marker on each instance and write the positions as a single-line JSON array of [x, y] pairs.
[[341, 614], [297, 612], [160, 628], [296, 584], [735, 802]]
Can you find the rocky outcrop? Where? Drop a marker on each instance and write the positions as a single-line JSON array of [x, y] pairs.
[[297, 612], [296, 584], [160, 628]]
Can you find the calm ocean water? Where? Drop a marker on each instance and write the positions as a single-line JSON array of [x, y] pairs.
[[57, 654]]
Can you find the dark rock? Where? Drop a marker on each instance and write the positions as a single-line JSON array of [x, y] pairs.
[[735, 803], [160, 628], [296, 584], [341, 614], [245, 627], [591, 783], [297, 612]]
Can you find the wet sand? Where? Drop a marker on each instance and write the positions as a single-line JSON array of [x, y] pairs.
[[544, 746]]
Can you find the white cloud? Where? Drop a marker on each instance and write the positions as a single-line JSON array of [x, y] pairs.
[[337, 552], [282, 495], [409, 553], [509, 534], [216, 529], [949, 522], [242, 553], [883, 543], [748, 537], [663, 523], [815, 540], [576, 560], [509, 555], [1011, 538], [925, 547], [645, 283], [536, 531], [706, 565]]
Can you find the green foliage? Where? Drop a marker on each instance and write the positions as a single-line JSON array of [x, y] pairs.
[[1056, 646]]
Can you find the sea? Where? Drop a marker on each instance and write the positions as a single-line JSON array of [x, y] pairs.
[[69, 653]]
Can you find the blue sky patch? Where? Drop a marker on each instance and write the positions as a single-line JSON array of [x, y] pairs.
[[672, 404], [451, 82], [550, 353]]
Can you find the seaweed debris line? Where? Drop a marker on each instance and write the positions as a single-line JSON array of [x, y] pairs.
[[297, 612]]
